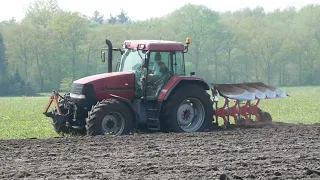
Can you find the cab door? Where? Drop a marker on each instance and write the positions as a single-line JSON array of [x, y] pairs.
[[157, 73]]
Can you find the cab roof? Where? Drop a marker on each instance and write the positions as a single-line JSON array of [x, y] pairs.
[[154, 45]]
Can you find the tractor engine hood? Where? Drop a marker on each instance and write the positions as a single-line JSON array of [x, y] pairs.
[[94, 79], [117, 83]]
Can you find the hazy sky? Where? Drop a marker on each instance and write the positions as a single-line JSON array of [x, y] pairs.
[[143, 9]]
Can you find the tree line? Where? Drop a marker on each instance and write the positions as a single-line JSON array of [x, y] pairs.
[[51, 47]]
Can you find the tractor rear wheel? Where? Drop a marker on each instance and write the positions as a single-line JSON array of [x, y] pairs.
[[188, 109], [109, 117]]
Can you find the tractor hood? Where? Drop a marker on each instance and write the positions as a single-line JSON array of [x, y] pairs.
[[100, 78], [116, 83]]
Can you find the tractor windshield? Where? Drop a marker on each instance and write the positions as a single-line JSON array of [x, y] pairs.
[[131, 60]]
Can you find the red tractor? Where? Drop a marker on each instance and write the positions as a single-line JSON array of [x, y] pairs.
[[149, 89]]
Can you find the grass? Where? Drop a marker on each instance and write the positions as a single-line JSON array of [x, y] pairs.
[[21, 117]]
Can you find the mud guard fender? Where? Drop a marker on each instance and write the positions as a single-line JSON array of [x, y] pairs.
[[177, 81], [129, 104]]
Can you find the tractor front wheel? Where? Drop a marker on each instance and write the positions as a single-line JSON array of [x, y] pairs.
[[188, 109], [109, 117], [58, 122]]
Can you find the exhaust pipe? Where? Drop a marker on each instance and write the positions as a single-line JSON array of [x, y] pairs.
[[109, 44]]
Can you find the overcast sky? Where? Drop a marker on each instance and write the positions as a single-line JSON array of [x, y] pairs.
[[143, 9]]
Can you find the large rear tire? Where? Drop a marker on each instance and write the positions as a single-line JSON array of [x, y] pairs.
[[111, 117], [188, 109]]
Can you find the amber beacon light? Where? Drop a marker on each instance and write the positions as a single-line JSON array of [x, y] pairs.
[[188, 41]]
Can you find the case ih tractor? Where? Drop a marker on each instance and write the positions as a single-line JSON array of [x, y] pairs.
[[149, 89]]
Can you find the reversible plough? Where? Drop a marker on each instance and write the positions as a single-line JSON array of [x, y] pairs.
[[243, 107]]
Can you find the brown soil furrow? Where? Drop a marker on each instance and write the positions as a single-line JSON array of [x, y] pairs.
[[273, 152]]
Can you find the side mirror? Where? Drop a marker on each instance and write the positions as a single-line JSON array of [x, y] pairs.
[[103, 56], [144, 62], [192, 73]]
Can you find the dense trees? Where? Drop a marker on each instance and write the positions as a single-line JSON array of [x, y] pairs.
[[11, 84], [3, 62], [51, 47]]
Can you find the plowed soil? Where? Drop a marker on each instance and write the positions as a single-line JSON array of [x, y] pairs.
[[275, 152]]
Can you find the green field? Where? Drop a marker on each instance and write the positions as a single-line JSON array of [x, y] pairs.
[[21, 117]]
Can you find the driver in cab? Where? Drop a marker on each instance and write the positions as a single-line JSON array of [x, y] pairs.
[[159, 69]]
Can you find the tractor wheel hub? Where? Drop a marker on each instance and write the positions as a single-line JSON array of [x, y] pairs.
[[190, 115], [112, 123], [186, 114]]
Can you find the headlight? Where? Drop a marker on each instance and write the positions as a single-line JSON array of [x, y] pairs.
[[77, 96]]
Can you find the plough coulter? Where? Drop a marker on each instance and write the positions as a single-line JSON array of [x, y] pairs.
[[149, 90]]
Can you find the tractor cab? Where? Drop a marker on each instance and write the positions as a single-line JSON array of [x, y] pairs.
[[153, 63]]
